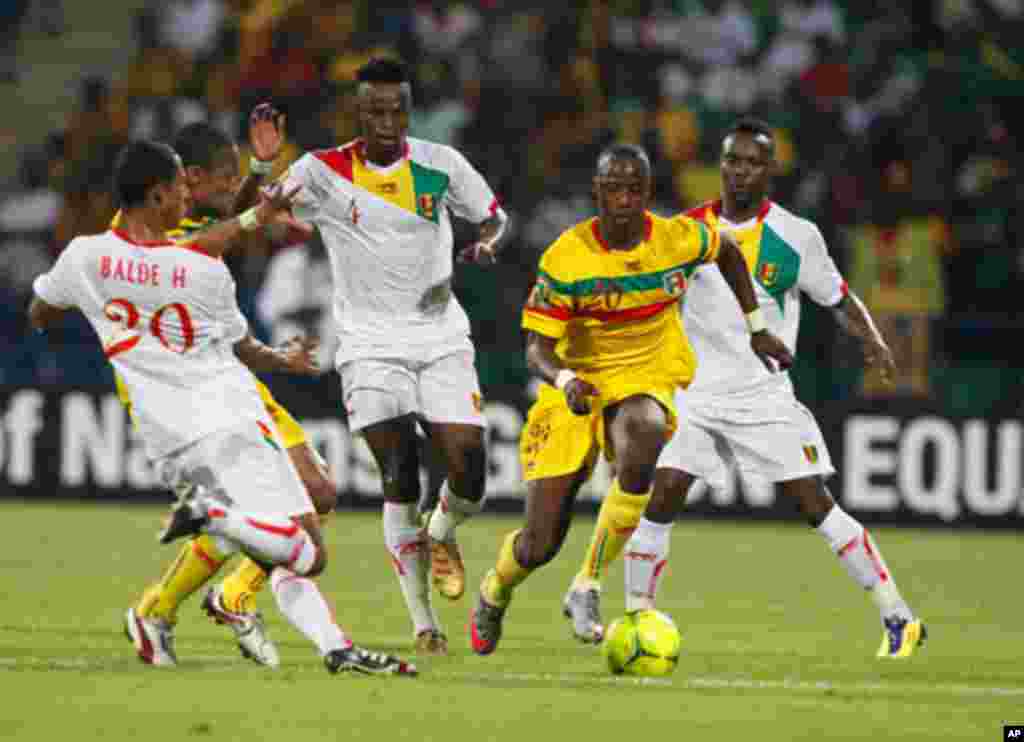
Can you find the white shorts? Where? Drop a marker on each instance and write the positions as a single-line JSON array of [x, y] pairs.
[[774, 439], [247, 463], [445, 390]]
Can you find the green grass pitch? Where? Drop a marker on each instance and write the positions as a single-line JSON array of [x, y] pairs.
[[777, 643]]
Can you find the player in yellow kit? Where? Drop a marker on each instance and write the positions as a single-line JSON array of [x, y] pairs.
[[604, 333], [211, 164]]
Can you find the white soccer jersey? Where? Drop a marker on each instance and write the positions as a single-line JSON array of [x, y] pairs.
[[787, 255], [168, 319], [389, 238]]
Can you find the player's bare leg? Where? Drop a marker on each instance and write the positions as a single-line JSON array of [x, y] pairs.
[[463, 449], [862, 559], [549, 505], [395, 448], [636, 431]]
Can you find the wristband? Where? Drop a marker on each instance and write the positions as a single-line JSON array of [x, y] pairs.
[[755, 321], [248, 220], [260, 167], [564, 377]]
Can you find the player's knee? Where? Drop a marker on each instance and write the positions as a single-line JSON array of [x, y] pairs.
[[468, 476], [400, 478], [646, 432]]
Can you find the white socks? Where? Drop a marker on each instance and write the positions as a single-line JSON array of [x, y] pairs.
[[449, 513], [645, 560], [862, 560], [302, 603], [271, 538], [408, 547]]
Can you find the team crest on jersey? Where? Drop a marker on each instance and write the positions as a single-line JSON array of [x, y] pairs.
[[675, 282], [427, 205], [811, 454], [767, 273]]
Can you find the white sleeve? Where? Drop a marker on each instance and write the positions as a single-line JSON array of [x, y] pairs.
[[309, 199], [59, 285], [469, 196], [819, 278], [232, 320]]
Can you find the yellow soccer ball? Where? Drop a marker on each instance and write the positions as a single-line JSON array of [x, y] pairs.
[[644, 643]]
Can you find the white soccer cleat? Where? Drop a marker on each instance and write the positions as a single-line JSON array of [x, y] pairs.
[[583, 609], [153, 639], [248, 627]]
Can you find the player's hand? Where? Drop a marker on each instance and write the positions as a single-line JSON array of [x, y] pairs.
[[479, 253], [266, 132], [578, 393], [299, 355], [878, 356], [771, 350], [275, 206]]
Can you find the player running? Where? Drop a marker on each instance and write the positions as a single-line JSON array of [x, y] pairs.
[[736, 411], [211, 165], [169, 322], [381, 204], [605, 335]]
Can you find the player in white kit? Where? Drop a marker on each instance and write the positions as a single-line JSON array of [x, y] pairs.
[[381, 204], [738, 412], [169, 322]]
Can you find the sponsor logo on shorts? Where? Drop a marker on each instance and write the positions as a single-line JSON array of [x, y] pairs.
[[811, 454]]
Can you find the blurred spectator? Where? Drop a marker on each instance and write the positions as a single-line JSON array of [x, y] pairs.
[[12, 13]]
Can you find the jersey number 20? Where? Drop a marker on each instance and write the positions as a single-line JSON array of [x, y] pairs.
[[125, 316]]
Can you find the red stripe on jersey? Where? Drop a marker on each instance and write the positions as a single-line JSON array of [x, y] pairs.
[[288, 531], [495, 205], [700, 212], [627, 315], [338, 160], [845, 289], [596, 229], [554, 312], [197, 248], [141, 243]]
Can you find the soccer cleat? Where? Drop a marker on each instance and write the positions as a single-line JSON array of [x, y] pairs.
[[153, 639], [186, 518], [431, 641], [901, 637], [356, 659], [249, 630], [583, 608], [446, 569], [485, 626]]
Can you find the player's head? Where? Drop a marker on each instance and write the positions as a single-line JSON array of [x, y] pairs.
[[384, 100], [210, 159], [748, 162], [149, 176], [622, 185]]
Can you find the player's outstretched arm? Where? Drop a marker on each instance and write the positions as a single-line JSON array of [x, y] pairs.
[[42, 316], [765, 345], [542, 360], [485, 250], [274, 207], [855, 319], [297, 356]]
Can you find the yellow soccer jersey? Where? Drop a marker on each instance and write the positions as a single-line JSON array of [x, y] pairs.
[[614, 312]]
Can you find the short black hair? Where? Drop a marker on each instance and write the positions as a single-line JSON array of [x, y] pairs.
[[383, 69], [622, 152], [755, 127], [200, 143], [141, 165]]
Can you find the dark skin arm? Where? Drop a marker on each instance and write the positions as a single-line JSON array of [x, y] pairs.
[[297, 356], [855, 319], [43, 316], [542, 361], [765, 345], [266, 138], [275, 207], [485, 250]]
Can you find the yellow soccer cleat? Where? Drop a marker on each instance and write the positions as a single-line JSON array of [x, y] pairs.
[[901, 637], [447, 570]]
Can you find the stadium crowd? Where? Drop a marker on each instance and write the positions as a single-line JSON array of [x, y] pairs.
[[895, 124]]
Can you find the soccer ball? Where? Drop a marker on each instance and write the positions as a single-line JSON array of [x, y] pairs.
[[644, 643]]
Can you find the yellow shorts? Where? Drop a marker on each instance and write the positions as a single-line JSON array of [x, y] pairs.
[[555, 442], [288, 428]]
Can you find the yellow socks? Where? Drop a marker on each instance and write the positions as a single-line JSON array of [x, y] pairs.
[[507, 573], [240, 587], [197, 562], [619, 516]]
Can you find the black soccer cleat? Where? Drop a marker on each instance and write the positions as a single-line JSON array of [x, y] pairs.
[[183, 521], [357, 659]]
